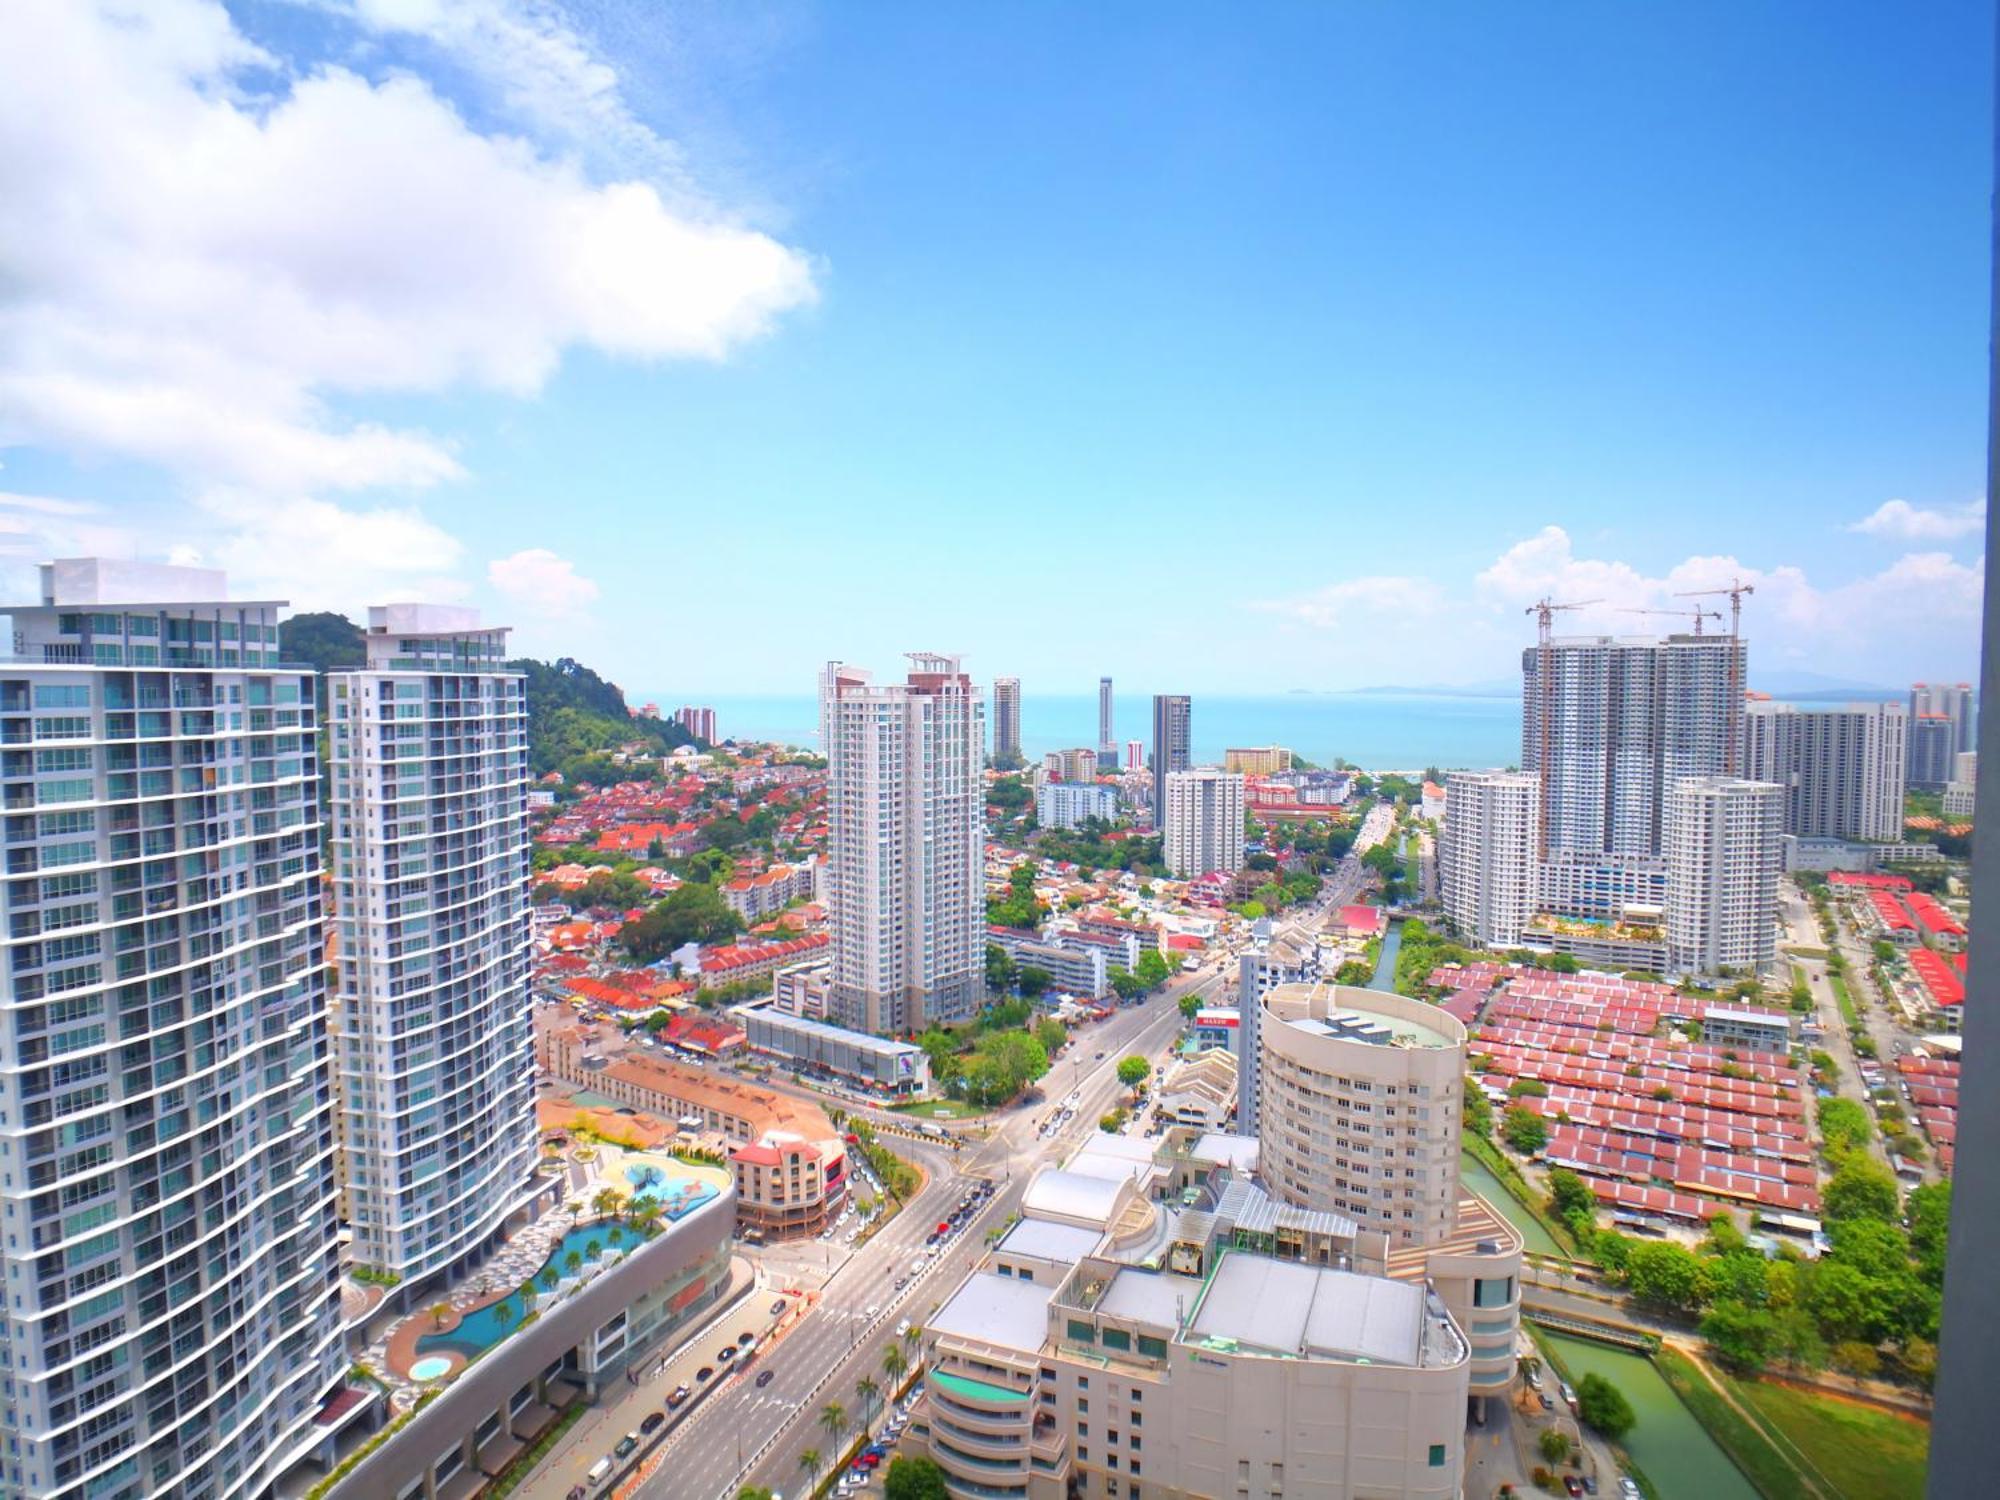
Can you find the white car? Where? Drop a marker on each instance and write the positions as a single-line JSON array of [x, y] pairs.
[[1628, 1488]]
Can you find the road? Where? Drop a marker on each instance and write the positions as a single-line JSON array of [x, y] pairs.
[[845, 1336]]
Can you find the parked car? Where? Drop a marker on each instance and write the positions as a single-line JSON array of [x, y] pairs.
[[1628, 1488], [1568, 1395], [626, 1445], [726, 1353], [704, 1373], [778, 1308], [681, 1393], [745, 1339], [1572, 1485], [655, 1420], [1548, 1401]]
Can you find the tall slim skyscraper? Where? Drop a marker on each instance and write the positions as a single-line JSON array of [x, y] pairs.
[[1724, 855], [166, 1117], [906, 896], [1006, 720], [1931, 756], [1169, 753], [1107, 745], [1841, 767], [1203, 822], [1626, 718], [1486, 856], [1954, 701], [432, 1029]]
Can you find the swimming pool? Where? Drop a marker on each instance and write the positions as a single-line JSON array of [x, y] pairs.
[[481, 1330], [676, 1194]]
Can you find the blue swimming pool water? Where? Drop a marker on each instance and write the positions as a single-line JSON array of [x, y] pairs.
[[483, 1329], [675, 1196]]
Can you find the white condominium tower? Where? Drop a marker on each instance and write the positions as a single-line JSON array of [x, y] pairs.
[[1204, 822], [1953, 701], [1625, 719], [1006, 719], [1486, 855], [1841, 768], [1724, 851], [172, 1321], [905, 885], [433, 1034]]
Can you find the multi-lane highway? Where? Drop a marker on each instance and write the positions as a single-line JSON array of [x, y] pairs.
[[845, 1336]]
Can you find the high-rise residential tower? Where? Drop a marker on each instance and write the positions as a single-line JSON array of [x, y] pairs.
[[1955, 702], [1107, 745], [1619, 720], [1135, 755], [432, 1029], [1841, 767], [166, 1116], [1932, 736], [1204, 822], [1171, 739], [1486, 855], [905, 890], [1006, 720], [1724, 855]]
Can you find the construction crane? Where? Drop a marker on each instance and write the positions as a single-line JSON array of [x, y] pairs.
[[1697, 611], [1736, 588], [1545, 611]]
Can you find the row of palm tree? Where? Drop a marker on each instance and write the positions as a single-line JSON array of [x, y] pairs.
[[833, 1416]]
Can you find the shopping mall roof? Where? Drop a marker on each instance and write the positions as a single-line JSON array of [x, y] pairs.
[[998, 1310], [1047, 1240], [1310, 1312]]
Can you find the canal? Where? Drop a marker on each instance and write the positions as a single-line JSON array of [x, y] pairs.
[[1385, 964], [1675, 1450], [1473, 1173]]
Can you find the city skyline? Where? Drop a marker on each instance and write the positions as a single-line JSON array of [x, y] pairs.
[[1633, 362]]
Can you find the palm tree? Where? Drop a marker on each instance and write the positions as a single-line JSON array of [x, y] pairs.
[[833, 1417], [503, 1313], [593, 1249], [607, 1201], [572, 1262], [549, 1277], [647, 1215], [895, 1365], [616, 1235], [912, 1336], [809, 1462], [439, 1312], [867, 1390]]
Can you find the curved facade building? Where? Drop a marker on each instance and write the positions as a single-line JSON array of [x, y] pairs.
[[1361, 1102], [433, 1032]]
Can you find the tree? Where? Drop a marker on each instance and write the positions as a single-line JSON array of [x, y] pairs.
[[833, 1417], [1034, 981], [549, 1277], [999, 968], [912, 1478], [1554, 1444], [607, 1201], [439, 1312], [1665, 1276], [1478, 1110], [866, 1390], [1742, 1339], [1859, 1359], [1133, 1071], [1603, 1407], [1860, 1189], [809, 1462], [1569, 1193], [1190, 1005], [751, 1492], [1153, 968], [895, 1365], [1125, 984], [694, 913], [1524, 1131], [1929, 1208], [504, 1313], [1052, 1035], [573, 1262], [1843, 1125], [1841, 1302]]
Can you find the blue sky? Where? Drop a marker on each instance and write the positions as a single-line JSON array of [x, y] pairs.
[[1218, 348]]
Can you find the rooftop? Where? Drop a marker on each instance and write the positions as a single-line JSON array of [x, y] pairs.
[[995, 1309], [1160, 1298], [1047, 1240], [1071, 1195], [1286, 1308]]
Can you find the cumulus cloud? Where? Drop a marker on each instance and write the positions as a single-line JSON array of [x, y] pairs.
[[204, 255], [1912, 523], [539, 581], [1379, 598]]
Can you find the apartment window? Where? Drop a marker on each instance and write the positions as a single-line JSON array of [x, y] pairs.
[[1437, 1455], [1083, 1429]]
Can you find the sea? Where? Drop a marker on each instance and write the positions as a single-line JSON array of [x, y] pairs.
[[1380, 731]]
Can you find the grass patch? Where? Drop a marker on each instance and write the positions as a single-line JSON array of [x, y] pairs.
[[1846, 1002], [937, 1109], [1775, 1475], [1868, 1452], [1799, 950]]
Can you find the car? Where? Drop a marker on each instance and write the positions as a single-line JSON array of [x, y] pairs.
[[655, 1420], [576, 1492], [746, 1338], [1589, 1485], [681, 1393], [726, 1353], [1572, 1485], [1568, 1395], [1628, 1488], [1548, 1402], [1100, 1057], [1535, 1379], [778, 1308], [626, 1445], [764, 1378], [869, 1460], [706, 1372], [871, 1311], [902, 1328]]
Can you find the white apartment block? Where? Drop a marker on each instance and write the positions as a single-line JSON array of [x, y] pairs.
[[1954, 701], [1064, 804], [1273, 958], [1627, 717], [432, 1025], [1960, 791], [1724, 853], [166, 1118], [1487, 854], [1842, 768], [904, 870], [1204, 822]]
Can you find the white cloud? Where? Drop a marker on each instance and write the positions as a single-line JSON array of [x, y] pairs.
[[197, 271], [1379, 598], [321, 555], [539, 581], [1912, 523]]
